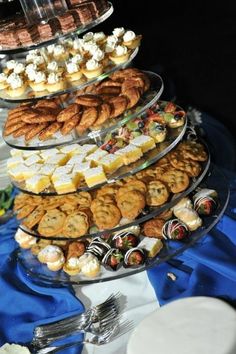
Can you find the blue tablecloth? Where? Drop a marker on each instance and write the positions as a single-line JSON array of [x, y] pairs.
[[208, 268]]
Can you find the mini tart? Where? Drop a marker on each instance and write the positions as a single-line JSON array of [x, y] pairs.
[[119, 59], [16, 92], [134, 43], [90, 73], [75, 75], [56, 86]]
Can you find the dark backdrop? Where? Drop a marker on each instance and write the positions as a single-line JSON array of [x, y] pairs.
[[192, 44]]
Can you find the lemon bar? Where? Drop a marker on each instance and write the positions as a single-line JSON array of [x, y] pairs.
[[31, 170], [17, 172], [64, 184], [111, 163], [13, 161], [96, 156], [60, 171], [47, 169], [58, 159], [32, 160], [76, 159], [38, 183], [86, 149], [144, 142], [46, 154], [129, 154], [94, 176], [151, 245], [70, 149]]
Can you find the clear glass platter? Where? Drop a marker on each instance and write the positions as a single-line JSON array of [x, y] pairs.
[[30, 95], [153, 212], [59, 35], [150, 157], [39, 273], [147, 100]]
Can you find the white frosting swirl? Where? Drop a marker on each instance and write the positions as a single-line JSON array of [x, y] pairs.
[[53, 78], [3, 77], [11, 64], [92, 64], [50, 48], [39, 77], [19, 68], [98, 54], [118, 32], [121, 50], [89, 46], [77, 59], [99, 36], [59, 49], [129, 36], [30, 67], [31, 57], [52, 66], [112, 41], [15, 81], [88, 36], [38, 60], [72, 67], [78, 44]]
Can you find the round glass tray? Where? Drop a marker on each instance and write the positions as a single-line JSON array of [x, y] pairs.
[[41, 274], [30, 95], [147, 100], [149, 158], [154, 211], [107, 13]]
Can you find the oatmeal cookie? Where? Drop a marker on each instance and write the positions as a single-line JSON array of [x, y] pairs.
[[52, 223]]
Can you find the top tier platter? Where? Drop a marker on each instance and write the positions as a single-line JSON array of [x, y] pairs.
[[54, 38]]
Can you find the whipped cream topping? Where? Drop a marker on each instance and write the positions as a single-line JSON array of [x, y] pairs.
[[98, 54], [112, 41], [38, 60], [78, 44], [92, 64], [3, 77], [39, 77], [90, 46], [99, 36], [30, 67], [52, 66], [11, 64], [118, 32], [72, 67], [50, 48], [121, 50], [109, 48], [30, 57], [129, 36], [59, 49], [15, 81], [19, 68], [77, 59], [53, 78], [88, 36]]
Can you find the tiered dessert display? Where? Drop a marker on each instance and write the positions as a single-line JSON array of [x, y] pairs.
[[112, 181]]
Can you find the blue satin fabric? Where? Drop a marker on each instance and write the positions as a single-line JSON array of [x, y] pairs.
[[208, 268], [23, 304]]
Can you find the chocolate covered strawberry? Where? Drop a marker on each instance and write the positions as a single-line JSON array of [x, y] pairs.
[[113, 259], [134, 257], [124, 241]]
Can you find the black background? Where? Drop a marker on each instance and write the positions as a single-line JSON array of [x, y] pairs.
[[192, 44]]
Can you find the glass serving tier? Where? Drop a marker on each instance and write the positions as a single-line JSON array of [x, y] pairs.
[[147, 100], [149, 158], [39, 272], [59, 35], [153, 212], [30, 95]]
